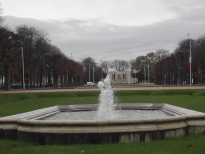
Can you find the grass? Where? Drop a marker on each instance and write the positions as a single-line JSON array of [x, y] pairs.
[[189, 144], [18, 103]]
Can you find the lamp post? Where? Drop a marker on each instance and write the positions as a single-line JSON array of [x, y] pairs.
[[93, 75], [72, 66], [148, 73], [71, 56], [89, 72], [145, 74], [23, 67]]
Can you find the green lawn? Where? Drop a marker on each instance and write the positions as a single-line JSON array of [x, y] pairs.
[[189, 144], [18, 103]]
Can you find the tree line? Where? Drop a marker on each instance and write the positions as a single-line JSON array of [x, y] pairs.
[[162, 67], [142, 66], [26, 56], [44, 63], [174, 68]]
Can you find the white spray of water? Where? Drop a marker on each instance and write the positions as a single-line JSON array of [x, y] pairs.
[[106, 100]]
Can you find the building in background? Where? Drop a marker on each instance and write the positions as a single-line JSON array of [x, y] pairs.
[[121, 76]]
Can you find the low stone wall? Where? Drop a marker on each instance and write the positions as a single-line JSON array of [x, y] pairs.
[[98, 138]]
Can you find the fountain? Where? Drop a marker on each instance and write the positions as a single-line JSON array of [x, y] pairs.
[[107, 109], [106, 100], [102, 123]]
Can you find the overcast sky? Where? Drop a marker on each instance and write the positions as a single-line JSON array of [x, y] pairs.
[[110, 29]]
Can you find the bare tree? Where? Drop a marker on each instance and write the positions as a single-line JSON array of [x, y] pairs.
[[161, 54], [1, 17], [35, 46], [104, 65], [9, 55], [43, 61], [119, 65], [132, 64], [89, 64]]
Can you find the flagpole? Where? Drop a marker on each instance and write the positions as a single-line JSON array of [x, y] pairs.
[[190, 59], [190, 63]]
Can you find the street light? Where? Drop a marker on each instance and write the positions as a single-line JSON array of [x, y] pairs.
[[145, 74], [23, 67], [148, 73], [71, 56], [72, 66], [89, 72], [93, 75]]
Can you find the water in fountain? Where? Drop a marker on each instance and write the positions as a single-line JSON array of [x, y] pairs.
[[106, 100], [106, 109]]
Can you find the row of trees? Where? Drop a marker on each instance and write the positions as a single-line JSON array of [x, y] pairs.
[[160, 67], [167, 68], [27, 54], [142, 66], [92, 71], [174, 69], [45, 64]]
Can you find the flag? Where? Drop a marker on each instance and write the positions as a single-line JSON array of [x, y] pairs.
[[189, 63]]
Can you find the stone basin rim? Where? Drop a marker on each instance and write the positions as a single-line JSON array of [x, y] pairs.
[[106, 122], [102, 122]]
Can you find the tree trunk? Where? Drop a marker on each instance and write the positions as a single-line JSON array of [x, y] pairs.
[[6, 77]]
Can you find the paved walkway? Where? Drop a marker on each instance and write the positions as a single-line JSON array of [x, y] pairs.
[[94, 89]]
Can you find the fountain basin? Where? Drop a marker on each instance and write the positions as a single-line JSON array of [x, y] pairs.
[[33, 126]]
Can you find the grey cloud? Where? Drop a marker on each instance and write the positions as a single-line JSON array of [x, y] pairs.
[[195, 15], [92, 38]]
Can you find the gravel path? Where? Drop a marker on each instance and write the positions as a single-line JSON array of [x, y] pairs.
[[94, 89]]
